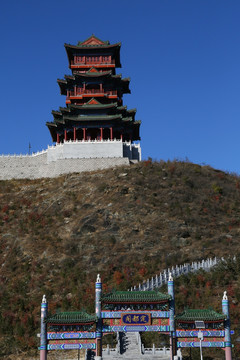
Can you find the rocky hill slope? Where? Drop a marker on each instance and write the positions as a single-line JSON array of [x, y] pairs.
[[126, 223]]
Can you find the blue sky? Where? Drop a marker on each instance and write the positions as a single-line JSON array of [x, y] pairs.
[[183, 57]]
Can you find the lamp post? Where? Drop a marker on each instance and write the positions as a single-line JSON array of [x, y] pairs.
[[199, 324], [200, 336]]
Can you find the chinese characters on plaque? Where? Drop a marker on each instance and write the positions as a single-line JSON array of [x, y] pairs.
[[136, 319]]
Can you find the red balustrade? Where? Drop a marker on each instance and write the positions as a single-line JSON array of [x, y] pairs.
[[92, 62], [81, 91]]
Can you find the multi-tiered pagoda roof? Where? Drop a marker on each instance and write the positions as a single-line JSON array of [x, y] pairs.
[[94, 107]]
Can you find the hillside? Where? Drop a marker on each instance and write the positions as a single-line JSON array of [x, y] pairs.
[[126, 223]]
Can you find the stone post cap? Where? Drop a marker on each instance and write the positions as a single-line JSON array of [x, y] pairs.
[[170, 278], [98, 279], [44, 300], [225, 296]]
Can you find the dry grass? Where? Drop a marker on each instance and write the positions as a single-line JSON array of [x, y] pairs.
[[127, 223]]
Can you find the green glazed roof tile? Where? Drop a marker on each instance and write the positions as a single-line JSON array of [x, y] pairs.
[[74, 317], [135, 296], [204, 315]]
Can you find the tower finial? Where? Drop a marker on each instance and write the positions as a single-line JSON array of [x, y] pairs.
[[225, 296], [44, 300], [170, 278], [98, 278]]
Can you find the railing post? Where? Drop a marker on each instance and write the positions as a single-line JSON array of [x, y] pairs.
[[152, 284], [43, 335]]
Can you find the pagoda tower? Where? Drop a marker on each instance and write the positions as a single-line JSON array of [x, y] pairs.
[[94, 107]]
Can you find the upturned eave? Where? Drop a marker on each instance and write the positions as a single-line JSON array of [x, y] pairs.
[[93, 118]]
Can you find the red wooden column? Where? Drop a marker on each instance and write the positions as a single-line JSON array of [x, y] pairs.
[[84, 134], [58, 139], [101, 134], [111, 133], [74, 134], [65, 135]]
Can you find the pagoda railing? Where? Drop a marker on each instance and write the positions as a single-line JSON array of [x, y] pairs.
[[91, 91], [93, 62]]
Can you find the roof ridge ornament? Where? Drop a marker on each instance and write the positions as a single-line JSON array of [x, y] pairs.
[[93, 40], [98, 278], [225, 296]]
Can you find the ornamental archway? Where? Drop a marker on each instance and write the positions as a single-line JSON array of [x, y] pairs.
[[134, 311]]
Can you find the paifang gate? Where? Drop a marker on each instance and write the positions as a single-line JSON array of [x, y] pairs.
[[133, 311]]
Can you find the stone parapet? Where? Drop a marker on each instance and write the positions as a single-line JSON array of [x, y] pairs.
[[69, 157], [37, 167], [94, 149]]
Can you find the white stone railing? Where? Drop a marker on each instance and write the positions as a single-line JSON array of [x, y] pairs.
[[110, 351], [39, 153], [88, 141], [162, 278], [156, 351], [6, 156], [139, 342], [179, 355]]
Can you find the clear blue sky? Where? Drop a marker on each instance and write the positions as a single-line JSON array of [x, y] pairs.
[[183, 57]]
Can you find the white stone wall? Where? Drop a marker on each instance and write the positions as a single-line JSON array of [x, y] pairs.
[[37, 167], [68, 158], [86, 150]]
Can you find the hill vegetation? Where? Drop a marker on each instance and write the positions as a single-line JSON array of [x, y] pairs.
[[126, 223]]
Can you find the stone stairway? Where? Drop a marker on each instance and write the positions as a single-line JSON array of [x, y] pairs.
[[130, 350]]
